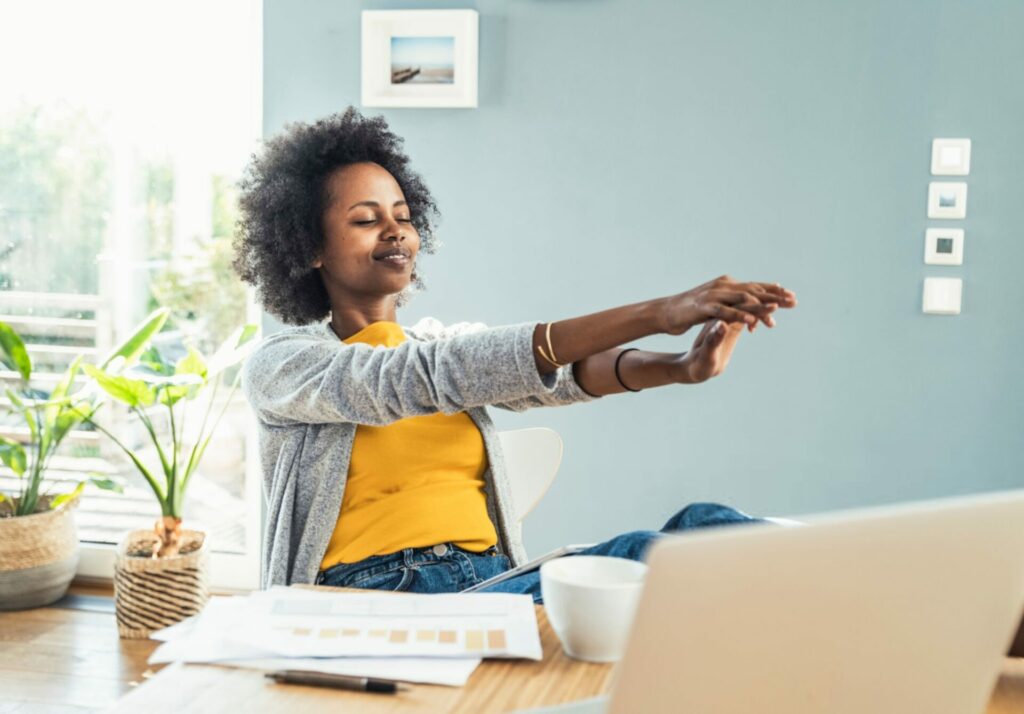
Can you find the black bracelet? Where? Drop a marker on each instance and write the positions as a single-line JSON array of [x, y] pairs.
[[617, 375]]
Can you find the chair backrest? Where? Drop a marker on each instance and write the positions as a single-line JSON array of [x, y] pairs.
[[532, 457]]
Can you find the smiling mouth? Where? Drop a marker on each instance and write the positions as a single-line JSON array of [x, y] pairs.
[[393, 260]]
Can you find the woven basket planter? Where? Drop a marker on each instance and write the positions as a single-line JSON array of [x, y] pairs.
[[153, 593], [38, 556]]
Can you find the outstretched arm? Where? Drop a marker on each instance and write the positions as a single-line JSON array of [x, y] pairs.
[[592, 342]]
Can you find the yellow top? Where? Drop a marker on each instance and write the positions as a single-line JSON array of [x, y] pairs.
[[413, 483]]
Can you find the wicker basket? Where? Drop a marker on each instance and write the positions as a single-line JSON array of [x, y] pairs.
[[38, 556], [153, 593]]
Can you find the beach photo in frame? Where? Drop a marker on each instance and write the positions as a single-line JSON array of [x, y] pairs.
[[419, 58]]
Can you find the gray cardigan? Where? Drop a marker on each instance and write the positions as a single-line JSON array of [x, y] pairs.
[[310, 390]]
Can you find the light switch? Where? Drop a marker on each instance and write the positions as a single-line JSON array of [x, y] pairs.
[[944, 246], [951, 157], [947, 199], [942, 296]]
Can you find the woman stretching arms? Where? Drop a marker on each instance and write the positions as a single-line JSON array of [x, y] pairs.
[[382, 468]]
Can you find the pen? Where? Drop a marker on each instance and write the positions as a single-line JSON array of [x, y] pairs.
[[340, 681]]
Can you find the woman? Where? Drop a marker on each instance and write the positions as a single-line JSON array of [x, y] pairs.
[[382, 467]]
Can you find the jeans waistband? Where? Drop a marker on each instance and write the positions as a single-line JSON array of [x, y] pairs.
[[408, 556]]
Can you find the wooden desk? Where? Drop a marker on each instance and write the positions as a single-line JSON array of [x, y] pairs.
[[496, 686], [70, 659]]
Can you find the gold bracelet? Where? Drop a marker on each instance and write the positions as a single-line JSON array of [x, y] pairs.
[[551, 350], [540, 348]]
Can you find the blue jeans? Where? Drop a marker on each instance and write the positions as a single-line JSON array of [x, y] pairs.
[[446, 568]]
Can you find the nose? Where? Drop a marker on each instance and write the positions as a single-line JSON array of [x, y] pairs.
[[394, 234], [394, 231]]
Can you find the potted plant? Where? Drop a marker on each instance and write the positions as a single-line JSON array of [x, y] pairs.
[[161, 575], [38, 538]]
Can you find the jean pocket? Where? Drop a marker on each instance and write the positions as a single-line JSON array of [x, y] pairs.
[[396, 580]]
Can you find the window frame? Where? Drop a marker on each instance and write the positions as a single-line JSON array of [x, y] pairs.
[[227, 571]]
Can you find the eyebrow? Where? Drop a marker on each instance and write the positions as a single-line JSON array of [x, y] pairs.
[[374, 204]]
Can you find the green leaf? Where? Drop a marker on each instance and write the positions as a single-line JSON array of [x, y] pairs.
[[59, 392], [191, 363], [233, 350], [13, 455], [154, 361], [65, 497], [132, 347], [30, 416], [133, 392], [13, 352], [107, 484], [69, 417], [168, 389], [171, 394]]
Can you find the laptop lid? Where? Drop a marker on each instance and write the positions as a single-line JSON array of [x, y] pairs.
[[906, 608]]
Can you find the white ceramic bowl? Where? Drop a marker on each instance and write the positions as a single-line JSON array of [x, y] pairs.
[[590, 602]]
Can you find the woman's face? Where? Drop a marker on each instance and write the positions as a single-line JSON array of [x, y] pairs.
[[365, 219]]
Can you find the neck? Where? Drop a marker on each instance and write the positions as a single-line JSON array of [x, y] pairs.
[[350, 319]]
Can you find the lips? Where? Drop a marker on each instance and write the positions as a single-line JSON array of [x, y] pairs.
[[393, 252], [397, 261]]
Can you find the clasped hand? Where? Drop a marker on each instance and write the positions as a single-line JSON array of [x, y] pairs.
[[725, 306]]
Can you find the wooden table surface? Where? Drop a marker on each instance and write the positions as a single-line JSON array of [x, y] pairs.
[[69, 659], [496, 686]]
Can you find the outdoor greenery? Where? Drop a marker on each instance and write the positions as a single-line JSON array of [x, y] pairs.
[[55, 194]]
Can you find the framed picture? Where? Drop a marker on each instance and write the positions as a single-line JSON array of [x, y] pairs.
[[419, 58]]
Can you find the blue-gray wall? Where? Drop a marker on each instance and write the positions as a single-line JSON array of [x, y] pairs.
[[628, 149]]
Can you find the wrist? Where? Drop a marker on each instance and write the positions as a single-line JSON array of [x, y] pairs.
[[655, 315], [684, 369]]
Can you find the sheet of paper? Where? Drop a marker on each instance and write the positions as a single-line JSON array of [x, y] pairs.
[[216, 607], [203, 639], [294, 622]]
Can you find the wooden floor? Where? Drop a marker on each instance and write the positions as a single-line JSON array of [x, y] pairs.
[[68, 658]]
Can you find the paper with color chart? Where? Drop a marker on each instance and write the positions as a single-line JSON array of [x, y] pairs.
[[202, 639], [295, 622]]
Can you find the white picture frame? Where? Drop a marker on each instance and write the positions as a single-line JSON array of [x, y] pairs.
[[947, 199], [419, 58]]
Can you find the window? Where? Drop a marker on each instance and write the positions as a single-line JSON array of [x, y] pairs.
[[122, 135]]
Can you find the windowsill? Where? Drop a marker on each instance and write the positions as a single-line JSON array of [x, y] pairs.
[[98, 587], [104, 587]]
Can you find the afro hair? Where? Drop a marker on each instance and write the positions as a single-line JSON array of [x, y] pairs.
[[283, 197]]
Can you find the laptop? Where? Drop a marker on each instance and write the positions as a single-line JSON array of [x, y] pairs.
[[894, 609]]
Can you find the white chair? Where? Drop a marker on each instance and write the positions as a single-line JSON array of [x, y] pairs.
[[532, 458]]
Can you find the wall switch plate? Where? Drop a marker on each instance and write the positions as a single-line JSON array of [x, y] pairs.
[[944, 246], [942, 296], [947, 199], [951, 157]]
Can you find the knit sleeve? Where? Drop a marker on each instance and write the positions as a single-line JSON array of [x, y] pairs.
[[566, 389], [298, 376]]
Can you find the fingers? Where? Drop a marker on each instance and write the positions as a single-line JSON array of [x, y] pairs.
[[742, 301], [729, 314], [772, 292], [708, 326], [766, 292]]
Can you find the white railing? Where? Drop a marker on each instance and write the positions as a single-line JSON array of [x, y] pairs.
[[55, 329]]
